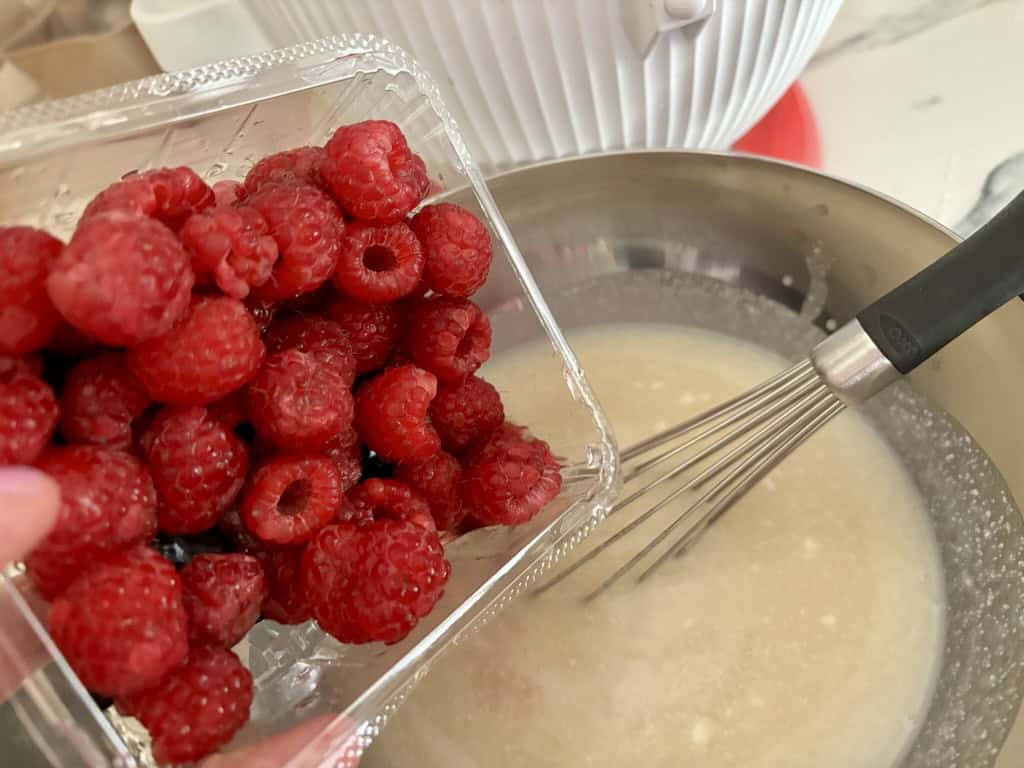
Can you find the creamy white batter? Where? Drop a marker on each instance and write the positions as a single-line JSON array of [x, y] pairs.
[[803, 631]]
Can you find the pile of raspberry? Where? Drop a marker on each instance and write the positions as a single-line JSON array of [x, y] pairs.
[[260, 401]]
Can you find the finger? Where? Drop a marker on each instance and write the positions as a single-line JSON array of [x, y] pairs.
[[29, 503]]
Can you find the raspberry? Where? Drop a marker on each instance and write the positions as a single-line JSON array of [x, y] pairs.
[[28, 319], [375, 499], [197, 708], [229, 192], [391, 414], [373, 582], [438, 479], [107, 503], [311, 333], [100, 400], [198, 466], [466, 412], [456, 248], [122, 625], [300, 401], [510, 479], [232, 409], [28, 415], [451, 338], [307, 227], [286, 603], [213, 352], [232, 247], [168, 194], [372, 173], [378, 264], [289, 498], [223, 595], [122, 279], [348, 459], [293, 167], [372, 329]]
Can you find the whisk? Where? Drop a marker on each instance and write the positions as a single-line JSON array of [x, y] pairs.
[[695, 471]]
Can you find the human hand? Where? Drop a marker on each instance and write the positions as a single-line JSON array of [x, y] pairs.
[[29, 503]]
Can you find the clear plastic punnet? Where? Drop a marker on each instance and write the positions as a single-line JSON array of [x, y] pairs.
[[317, 702]]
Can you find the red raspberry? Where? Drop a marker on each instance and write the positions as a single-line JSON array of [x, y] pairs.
[[457, 249], [286, 603], [223, 595], [107, 503], [378, 264], [121, 624], [293, 167], [229, 192], [312, 333], [197, 708], [466, 412], [289, 498], [451, 338], [122, 279], [28, 319], [232, 247], [372, 173], [348, 459], [373, 582], [391, 414], [232, 409], [168, 194], [438, 479], [213, 352], [307, 227], [510, 479], [100, 400], [28, 415], [376, 499], [198, 466], [300, 401], [373, 330]]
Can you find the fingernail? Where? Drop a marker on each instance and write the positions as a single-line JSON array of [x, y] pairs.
[[23, 481]]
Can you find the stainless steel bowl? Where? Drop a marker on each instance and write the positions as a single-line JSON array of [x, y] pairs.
[[823, 248]]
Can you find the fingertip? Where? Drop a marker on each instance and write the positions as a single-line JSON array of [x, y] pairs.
[[29, 504]]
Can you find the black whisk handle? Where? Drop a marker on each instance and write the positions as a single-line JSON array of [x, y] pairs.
[[917, 319]]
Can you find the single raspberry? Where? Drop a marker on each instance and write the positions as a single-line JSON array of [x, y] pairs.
[[376, 499], [451, 338], [438, 479], [466, 412], [300, 401], [213, 352], [231, 409], [100, 400], [289, 498], [229, 192], [197, 708], [262, 311], [372, 173], [456, 247], [293, 167], [286, 603], [223, 595], [168, 194], [378, 264], [28, 319], [347, 456], [312, 333], [198, 465], [307, 227], [510, 479], [122, 279], [28, 415], [372, 329], [391, 414], [107, 503], [373, 582], [230, 246], [121, 624]]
